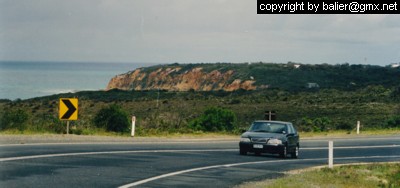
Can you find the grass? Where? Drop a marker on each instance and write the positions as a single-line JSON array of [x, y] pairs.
[[200, 134], [72, 131], [204, 135], [196, 135], [342, 133], [366, 176]]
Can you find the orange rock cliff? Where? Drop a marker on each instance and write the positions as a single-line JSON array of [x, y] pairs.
[[173, 78]]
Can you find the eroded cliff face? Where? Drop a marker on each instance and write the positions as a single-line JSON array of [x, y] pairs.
[[174, 79]]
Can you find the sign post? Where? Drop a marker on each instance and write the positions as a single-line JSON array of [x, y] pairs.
[[270, 115], [67, 127], [68, 110]]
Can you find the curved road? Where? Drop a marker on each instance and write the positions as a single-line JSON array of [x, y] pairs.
[[194, 163]]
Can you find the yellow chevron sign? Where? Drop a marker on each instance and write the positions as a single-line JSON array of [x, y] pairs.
[[68, 109]]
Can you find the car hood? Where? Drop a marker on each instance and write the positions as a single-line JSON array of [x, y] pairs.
[[262, 135]]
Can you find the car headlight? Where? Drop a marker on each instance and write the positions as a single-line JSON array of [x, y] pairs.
[[244, 139], [274, 141]]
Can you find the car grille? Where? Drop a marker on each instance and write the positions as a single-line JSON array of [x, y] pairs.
[[259, 140]]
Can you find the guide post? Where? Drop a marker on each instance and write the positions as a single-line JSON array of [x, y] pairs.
[[133, 126], [330, 160]]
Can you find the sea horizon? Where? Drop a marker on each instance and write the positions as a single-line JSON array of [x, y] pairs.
[[30, 79]]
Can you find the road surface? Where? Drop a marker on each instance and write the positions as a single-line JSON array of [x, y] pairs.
[[187, 163]]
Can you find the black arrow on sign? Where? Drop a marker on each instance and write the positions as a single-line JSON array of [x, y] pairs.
[[71, 109]]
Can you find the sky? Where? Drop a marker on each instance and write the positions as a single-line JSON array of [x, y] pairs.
[[189, 31]]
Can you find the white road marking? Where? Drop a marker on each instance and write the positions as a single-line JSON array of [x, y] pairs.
[[362, 138], [170, 151], [110, 152], [125, 143], [353, 147], [239, 164]]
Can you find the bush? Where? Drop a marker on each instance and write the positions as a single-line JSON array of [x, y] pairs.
[[392, 122], [14, 119], [344, 126], [305, 124], [315, 125], [112, 118], [215, 119], [322, 124]]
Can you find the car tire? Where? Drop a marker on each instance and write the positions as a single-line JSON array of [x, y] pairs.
[[295, 153], [242, 152], [283, 154]]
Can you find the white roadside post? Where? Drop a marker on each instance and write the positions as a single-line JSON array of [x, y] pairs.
[[358, 127], [133, 126], [330, 160]]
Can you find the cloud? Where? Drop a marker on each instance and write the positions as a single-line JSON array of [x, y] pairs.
[[189, 31]]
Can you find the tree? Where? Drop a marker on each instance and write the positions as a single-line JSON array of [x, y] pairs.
[[112, 118], [215, 119]]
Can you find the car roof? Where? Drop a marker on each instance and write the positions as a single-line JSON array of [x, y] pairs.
[[267, 121]]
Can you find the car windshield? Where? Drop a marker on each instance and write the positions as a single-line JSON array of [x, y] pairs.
[[269, 127]]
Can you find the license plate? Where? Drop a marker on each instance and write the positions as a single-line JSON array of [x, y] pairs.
[[259, 146]]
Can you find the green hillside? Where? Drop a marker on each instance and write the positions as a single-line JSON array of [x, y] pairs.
[[347, 94]]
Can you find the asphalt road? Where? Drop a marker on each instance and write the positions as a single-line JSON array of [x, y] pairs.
[[196, 163]]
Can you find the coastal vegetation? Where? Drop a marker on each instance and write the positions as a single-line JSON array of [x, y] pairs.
[[292, 77], [372, 97], [188, 112]]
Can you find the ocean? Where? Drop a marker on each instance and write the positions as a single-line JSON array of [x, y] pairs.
[[24, 80]]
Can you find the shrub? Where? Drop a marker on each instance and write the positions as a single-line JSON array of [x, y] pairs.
[[392, 122], [344, 126], [321, 124], [215, 119], [14, 119], [314, 125], [112, 118]]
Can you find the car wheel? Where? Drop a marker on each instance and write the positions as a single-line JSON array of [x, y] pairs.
[[283, 154], [242, 152], [295, 154]]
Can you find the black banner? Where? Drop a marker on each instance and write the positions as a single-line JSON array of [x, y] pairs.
[[328, 7]]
